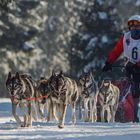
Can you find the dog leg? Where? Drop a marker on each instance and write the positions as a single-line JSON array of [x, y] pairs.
[[34, 110], [109, 114], [54, 111], [41, 110], [113, 112], [29, 122], [80, 108], [14, 106], [91, 110], [86, 118], [102, 114], [62, 115], [73, 118], [94, 111], [49, 109], [21, 105]]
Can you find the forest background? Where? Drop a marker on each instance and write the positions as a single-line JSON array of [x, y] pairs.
[[37, 36]]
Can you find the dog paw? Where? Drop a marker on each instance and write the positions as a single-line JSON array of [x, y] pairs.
[[21, 124], [43, 120], [60, 126], [47, 120], [28, 125], [72, 122], [86, 120], [35, 119]]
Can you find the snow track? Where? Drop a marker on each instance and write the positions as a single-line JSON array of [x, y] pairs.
[[50, 131]]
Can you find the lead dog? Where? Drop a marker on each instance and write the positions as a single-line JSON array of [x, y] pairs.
[[108, 99], [63, 91], [21, 89]]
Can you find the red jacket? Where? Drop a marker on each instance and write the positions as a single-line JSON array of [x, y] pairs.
[[116, 52]]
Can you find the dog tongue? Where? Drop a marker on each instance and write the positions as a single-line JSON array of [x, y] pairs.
[[14, 99]]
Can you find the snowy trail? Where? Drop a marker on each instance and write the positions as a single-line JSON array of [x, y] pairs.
[[50, 131]]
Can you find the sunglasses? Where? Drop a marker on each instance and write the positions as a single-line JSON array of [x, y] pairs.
[[133, 23]]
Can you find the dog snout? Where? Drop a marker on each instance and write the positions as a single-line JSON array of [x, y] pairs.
[[13, 93], [105, 99]]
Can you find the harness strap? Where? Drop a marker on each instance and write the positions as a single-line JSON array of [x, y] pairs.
[[31, 99]]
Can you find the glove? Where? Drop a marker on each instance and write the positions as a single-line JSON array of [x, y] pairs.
[[107, 67]]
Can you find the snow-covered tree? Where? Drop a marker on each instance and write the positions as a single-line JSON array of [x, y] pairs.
[[96, 36], [39, 35]]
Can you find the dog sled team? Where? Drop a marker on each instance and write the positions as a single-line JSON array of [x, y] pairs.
[[93, 101]]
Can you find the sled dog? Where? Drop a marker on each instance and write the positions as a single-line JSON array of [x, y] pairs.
[[21, 88], [43, 91], [63, 91], [89, 94], [108, 100]]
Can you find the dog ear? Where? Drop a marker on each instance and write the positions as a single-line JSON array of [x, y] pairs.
[[53, 73], [107, 83], [91, 72], [42, 78], [83, 72], [17, 75], [61, 73], [102, 83], [9, 76]]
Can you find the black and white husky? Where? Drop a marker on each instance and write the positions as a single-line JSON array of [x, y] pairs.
[[89, 93], [21, 90], [44, 91], [63, 91]]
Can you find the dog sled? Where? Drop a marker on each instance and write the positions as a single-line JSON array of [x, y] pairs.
[[125, 111]]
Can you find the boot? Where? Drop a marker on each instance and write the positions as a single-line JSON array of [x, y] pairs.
[[136, 118]]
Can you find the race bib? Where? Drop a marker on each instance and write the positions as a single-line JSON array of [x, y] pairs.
[[131, 48]]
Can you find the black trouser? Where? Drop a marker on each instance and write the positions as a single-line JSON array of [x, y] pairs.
[[133, 73], [136, 86]]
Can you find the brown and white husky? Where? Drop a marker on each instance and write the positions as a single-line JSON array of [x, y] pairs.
[[108, 100]]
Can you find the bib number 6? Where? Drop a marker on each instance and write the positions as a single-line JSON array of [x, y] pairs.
[[135, 53]]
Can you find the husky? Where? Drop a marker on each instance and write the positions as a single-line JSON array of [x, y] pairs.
[[43, 91], [64, 91], [89, 93], [21, 90], [108, 100]]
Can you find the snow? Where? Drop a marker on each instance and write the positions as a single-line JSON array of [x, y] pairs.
[[102, 15], [50, 131], [104, 39], [51, 23], [85, 37], [101, 2], [92, 43], [127, 1], [138, 3]]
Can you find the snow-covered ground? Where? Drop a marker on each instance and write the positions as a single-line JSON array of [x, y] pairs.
[[81, 130]]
